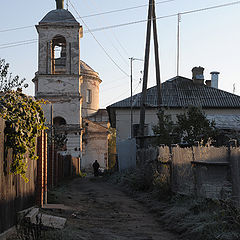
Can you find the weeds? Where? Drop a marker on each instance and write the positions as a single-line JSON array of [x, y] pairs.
[[193, 218]]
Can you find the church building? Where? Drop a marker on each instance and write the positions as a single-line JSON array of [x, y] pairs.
[[71, 89]]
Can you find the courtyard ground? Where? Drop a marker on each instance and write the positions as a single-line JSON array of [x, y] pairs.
[[99, 210]]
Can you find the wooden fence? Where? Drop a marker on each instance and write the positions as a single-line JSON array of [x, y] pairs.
[[15, 193], [61, 167], [208, 172]]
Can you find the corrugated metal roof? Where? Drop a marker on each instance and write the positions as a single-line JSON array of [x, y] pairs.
[[181, 92]]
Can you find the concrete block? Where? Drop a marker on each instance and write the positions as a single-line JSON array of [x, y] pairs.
[[51, 221]]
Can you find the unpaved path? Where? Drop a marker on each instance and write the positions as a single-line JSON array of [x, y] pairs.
[[100, 211]]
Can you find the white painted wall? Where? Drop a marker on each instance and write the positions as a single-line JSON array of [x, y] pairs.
[[225, 118], [95, 149]]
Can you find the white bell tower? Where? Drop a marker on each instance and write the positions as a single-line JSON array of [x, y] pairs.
[[58, 78]]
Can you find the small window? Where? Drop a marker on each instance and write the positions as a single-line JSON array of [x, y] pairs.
[[89, 96]]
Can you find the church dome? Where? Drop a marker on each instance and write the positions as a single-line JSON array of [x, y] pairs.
[[86, 70], [59, 16]]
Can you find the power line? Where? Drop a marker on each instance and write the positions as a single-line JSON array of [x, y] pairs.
[[209, 8], [109, 39], [92, 15], [107, 54], [13, 43], [20, 44], [125, 9], [17, 28], [165, 16], [142, 21], [114, 99]]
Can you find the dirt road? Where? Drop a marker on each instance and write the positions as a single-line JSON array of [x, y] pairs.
[[100, 211]]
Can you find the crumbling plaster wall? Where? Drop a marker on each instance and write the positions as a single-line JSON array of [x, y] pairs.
[[69, 110], [72, 35], [95, 149], [58, 84], [93, 85]]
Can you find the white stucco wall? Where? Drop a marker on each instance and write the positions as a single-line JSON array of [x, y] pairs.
[[72, 35], [70, 111], [93, 106], [61, 90], [225, 118], [123, 128], [69, 84], [95, 149]]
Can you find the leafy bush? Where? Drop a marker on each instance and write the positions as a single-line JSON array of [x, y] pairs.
[[24, 121]]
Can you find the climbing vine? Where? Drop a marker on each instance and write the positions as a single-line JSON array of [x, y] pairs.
[[24, 120]]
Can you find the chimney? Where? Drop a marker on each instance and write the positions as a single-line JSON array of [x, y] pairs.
[[208, 83], [197, 75], [214, 79]]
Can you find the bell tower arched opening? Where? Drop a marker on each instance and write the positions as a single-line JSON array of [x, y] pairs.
[[58, 60], [59, 121]]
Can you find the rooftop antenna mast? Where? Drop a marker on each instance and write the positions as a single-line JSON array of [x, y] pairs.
[[67, 4], [178, 43], [151, 20]]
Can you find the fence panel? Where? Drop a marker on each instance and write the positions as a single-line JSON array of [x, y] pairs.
[[183, 178], [127, 154], [208, 172], [15, 194], [235, 174], [210, 154]]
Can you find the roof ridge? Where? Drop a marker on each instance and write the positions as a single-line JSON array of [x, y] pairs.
[[182, 92]]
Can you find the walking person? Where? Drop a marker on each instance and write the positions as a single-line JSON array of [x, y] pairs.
[[96, 168]]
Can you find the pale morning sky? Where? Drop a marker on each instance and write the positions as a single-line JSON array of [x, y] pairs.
[[208, 38]]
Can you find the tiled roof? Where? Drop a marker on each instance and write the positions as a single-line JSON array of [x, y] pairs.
[[181, 92]]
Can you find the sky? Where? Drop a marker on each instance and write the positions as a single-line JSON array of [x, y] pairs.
[[208, 38]]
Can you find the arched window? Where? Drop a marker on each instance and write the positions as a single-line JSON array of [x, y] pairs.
[[58, 55], [59, 121]]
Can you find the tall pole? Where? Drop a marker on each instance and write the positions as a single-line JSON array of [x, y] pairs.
[[157, 64], [145, 74], [131, 86], [52, 145], [178, 43], [67, 4], [131, 80]]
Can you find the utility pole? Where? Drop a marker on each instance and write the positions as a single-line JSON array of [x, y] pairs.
[[151, 18], [131, 82], [178, 43], [157, 64], [145, 73], [131, 86]]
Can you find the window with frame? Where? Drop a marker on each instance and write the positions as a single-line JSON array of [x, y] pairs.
[[89, 96]]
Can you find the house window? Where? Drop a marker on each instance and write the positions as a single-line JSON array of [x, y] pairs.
[[136, 130], [89, 96], [58, 58]]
